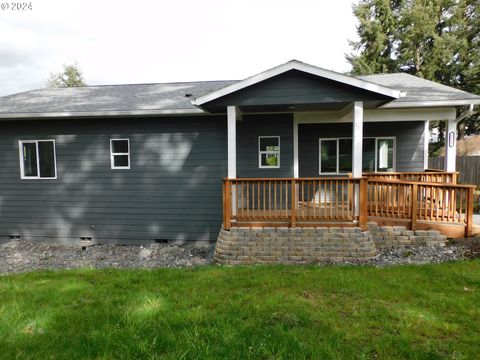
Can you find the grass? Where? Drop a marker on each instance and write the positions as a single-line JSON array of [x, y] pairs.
[[421, 312]]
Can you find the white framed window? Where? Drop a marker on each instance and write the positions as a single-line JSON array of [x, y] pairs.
[[269, 152], [385, 151], [335, 155], [38, 159], [120, 153]]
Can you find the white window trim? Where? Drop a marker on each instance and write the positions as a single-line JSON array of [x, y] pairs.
[[112, 154], [20, 153], [260, 153], [337, 153]]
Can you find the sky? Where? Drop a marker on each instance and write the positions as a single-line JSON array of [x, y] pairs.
[[144, 41]]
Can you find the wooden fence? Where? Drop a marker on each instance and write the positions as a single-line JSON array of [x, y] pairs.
[[467, 166]]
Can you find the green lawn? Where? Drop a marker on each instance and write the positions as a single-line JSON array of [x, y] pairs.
[[422, 312]]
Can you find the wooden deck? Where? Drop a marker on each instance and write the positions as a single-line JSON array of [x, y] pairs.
[[444, 206]]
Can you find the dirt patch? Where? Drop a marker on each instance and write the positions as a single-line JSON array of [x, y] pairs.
[[471, 245]]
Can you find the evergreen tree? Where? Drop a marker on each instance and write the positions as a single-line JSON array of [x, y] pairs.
[[437, 40]]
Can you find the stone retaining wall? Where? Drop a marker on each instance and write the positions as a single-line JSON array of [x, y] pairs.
[[395, 236], [281, 245], [292, 245]]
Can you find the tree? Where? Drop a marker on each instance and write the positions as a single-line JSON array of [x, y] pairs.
[[437, 40], [71, 76]]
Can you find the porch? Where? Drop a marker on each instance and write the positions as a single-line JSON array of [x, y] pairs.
[[416, 200]]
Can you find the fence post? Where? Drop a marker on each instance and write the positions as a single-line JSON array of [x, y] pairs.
[[414, 206], [469, 212], [227, 204], [294, 205], [362, 215]]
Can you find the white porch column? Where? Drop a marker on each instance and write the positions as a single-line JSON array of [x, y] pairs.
[[357, 142], [232, 112], [426, 140], [450, 146], [357, 150], [295, 147]]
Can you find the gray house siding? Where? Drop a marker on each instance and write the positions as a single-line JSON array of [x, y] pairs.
[[409, 142], [248, 131], [173, 190]]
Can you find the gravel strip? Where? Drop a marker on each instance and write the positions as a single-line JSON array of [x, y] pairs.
[[21, 256], [416, 255]]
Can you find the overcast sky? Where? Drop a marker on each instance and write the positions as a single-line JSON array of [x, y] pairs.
[[142, 41]]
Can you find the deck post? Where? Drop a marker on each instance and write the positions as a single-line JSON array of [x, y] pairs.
[[469, 212], [293, 217], [455, 177], [414, 206], [450, 146], [227, 204], [363, 216]]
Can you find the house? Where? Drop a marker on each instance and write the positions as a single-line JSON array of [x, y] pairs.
[[146, 162]]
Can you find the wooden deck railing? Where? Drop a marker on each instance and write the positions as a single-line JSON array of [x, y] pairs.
[[421, 201], [429, 176], [334, 202], [268, 202]]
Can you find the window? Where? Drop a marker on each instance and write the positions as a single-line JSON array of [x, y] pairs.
[[37, 159], [328, 155], [385, 154], [120, 153], [336, 155], [269, 152], [368, 156]]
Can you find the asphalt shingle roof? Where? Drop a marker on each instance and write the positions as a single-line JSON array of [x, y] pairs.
[[172, 96], [134, 97], [418, 89]]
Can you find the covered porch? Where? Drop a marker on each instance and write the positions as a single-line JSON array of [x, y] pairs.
[[309, 147], [346, 186], [420, 201]]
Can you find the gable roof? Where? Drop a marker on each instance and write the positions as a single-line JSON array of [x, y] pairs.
[[421, 92], [300, 66], [171, 99]]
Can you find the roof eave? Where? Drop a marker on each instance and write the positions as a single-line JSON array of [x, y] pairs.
[[297, 65], [64, 114], [433, 103]]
